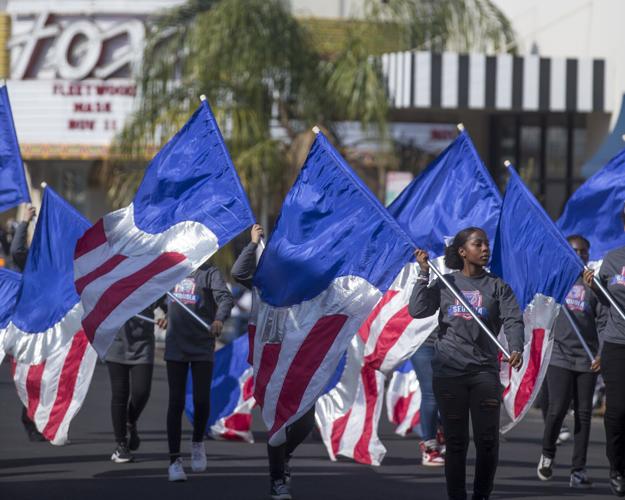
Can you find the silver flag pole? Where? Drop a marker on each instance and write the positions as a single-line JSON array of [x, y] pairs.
[[468, 307], [191, 313]]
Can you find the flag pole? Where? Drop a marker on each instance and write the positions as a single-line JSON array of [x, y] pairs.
[[607, 294], [466, 305], [189, 311], [145, 318], [569, 316]]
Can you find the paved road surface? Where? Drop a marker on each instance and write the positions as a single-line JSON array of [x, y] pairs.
[[238, 471]]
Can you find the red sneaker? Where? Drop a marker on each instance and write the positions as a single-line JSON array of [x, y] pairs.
[[430, 456], [440, 441]]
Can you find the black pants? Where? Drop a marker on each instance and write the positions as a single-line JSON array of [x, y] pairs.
[[130, 391], [613, 371], [295, 435], [202, 375], [480, 395], [565, 385]]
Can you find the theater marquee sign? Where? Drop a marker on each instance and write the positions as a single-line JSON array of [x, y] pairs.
[[71, 84]]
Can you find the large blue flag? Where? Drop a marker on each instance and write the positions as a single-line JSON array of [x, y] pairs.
[[54, 360], [13, 187], [189, 204], [334, 252], [454, 192], [530, 252], [10, 283], [48, 303], [533, 257], [594, 211]]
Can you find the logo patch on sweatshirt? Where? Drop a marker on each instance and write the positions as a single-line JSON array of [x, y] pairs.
[[618, 279], [185, 291], [575, 299], [475, 300]]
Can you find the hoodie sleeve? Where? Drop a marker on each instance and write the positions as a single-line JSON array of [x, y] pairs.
[[245, 266], [221, 294], [19, 245], [511, 318], [425, 300]]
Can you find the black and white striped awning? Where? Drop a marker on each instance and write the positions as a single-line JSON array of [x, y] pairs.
[[502, 82]]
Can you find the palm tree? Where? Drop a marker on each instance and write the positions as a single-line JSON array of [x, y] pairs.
[[268, 84]]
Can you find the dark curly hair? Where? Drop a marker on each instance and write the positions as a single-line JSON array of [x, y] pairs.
[[452, 254]]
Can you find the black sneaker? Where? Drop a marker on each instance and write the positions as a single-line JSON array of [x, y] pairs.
[[287, 473], [35, 436], [579, 479], [617, 484], [122, 455], [280, 490], [133, 441], [545, 468]]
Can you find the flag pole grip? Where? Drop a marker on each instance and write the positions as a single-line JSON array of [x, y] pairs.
[[468, 307], [568, 315], [606, 294], [189, 311]]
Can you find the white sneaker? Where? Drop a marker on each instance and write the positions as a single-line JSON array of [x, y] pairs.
[[176, 471], [198, 457]]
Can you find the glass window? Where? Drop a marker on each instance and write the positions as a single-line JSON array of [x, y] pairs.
[[556, 153]]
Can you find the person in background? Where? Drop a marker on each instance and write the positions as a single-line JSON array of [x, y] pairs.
[[431, 445], [465, 363], [612, 276], [279, 456], [571, 376], [130, 363], [189, 346], [19, 254]]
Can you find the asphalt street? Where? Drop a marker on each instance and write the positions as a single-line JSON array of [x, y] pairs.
[[82, 469]]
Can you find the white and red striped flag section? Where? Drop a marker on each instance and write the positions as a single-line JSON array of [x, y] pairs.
[[403, 399], [534, 258], [333, 254], [348, 414], [53, 391], [190, 203], [53, 362], [232, 397], [48, 309], [454, 192], [10, 284]]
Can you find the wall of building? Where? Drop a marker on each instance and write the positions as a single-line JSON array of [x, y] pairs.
[[574, 28]]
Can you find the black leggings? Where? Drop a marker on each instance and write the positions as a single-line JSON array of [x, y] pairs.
[[565, 385], [202, 374], [295, 435], [613, 371], [130, 391], [480, 395]]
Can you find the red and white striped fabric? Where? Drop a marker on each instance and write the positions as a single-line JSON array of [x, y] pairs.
[[391, 335], [118, 269], [290, 375], [53, 391], [348, 415], [238, 425], [403, 400], [523, 386]]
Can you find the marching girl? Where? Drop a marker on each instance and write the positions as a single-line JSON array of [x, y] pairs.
[[612, 275], [279, 456], [571, 376], [465, 363]]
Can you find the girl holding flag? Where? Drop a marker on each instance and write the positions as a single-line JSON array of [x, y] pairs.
[[612, 276], [571, 375], [465, 364]]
